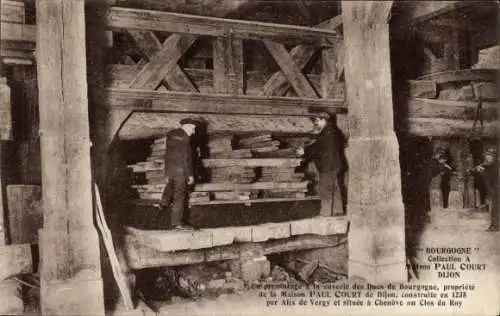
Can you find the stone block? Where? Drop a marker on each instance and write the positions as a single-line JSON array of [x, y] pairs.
[[14, 260], [319, 226], [379, 274], [251, 250], [242, 234], [302, 227], [228, 235], [175, 240], [254, 269], [221, 236], [11, 302], [270, 231], [72, 297]]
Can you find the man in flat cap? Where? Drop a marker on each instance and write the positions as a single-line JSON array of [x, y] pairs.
[[326, 154], [178, 171], [488, 169]]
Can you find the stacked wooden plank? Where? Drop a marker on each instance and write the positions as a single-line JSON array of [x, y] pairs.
[[283, 174], [278, 179], [258, 143], [154, 172], [149, 191], [220, 146], [233, 174], [264, 146], [453, 100]]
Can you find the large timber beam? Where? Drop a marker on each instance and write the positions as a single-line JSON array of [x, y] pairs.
[[70, 268], [442, 127], [421, 11], [166, 101], [458, 110], [217, 27]]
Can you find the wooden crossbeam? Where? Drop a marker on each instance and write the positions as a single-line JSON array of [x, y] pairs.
[[118, 76], [291, 70], [462, 75], [163, 62], [169, 101], [441, 127], [228, 65], [209, 26], [301, 54], [149, 45], [459, 110]]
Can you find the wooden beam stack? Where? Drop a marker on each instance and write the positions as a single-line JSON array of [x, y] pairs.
[[257, 166], [257, 159], [153, 170], [453, 100]]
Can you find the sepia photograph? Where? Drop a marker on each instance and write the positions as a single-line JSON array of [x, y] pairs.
[[249, 157]]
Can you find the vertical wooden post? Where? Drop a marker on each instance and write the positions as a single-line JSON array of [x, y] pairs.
[[377, 236], [332, 60], [5, 134], [228, 65], [70, 270]]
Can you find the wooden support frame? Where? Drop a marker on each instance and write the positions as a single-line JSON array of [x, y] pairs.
[[70, 274], [228, 70], [277, 84], [217, 27], [150, 46], [161, 64], [291, 70], [167, 101]]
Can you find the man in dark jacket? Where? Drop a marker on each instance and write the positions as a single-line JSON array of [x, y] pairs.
[[325, 152], [178, 171], [488, 170], [443, 164]]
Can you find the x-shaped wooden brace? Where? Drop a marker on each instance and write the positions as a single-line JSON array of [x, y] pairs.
[[300, 55], [162, 66]]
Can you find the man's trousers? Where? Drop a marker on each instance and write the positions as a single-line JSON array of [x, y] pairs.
[[175, 195]]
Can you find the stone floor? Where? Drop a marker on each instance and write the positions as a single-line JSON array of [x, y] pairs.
[[448, 228]]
